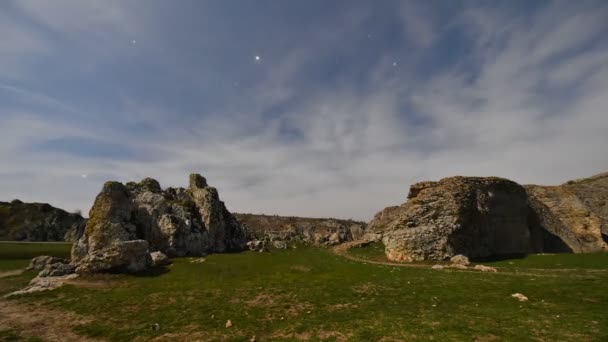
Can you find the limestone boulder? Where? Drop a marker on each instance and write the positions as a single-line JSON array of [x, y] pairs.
[[159, 259], [487, 217], [120, 257], [474, 216]]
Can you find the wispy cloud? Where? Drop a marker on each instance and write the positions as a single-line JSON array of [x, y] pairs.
[[337, 118]]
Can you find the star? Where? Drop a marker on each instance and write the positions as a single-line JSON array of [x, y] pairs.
[[394, 64], [257, 58], [84, 176], [134, 41]]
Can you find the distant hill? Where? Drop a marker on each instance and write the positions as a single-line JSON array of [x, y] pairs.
[[38, 222], [316, 231]]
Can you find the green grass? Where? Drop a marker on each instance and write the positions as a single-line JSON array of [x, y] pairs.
[[12, 335], [16, 255], [312, 293]]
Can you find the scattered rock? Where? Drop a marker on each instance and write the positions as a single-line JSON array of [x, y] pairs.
[[197, 260], [40, 262], [438, 267], [39, 284], [57, 269], [228, 324], [484, 268], [520, 297], [279, 244], [160, 259], [257, 245], [460, 260]]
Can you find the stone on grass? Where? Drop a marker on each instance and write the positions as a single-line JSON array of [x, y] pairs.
[[438, 267], [257, 245], [122, 256], [228, 324], [460, 260], [159, 259], [520, 297], [484, 268], [39, 263], [40, 284], [57, 269]]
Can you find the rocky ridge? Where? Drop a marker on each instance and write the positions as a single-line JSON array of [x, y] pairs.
[[487, 216], [21, 221], [280, 231]]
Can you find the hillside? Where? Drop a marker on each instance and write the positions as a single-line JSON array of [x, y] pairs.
[[37, 222]]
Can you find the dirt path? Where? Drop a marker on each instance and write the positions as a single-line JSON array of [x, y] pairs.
[[41, 322], [10, 273], [342, 250]]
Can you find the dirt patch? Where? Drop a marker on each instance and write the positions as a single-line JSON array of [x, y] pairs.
[[486, 338], [305, 336], [300, 268], [283, 305], [10, 273], [368, 289], [340, 306], [37, 321]]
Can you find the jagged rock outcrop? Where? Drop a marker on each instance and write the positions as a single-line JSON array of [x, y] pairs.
[[289, 229], [37, 222], [486, 217], [127, 222]]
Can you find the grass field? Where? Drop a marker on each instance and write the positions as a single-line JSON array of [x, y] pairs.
[[313, 294]]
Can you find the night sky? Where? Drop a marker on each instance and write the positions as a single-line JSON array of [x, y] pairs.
[[310, 108]]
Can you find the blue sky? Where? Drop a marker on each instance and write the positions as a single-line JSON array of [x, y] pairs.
[[349, 103]]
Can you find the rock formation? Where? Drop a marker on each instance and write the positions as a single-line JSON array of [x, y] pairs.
[[576, 212], [289, 229], [486, 217], [127, 222], [38, 222]]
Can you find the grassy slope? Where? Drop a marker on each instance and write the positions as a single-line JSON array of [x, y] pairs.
[[320, 295]]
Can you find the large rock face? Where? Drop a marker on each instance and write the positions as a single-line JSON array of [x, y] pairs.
[[313, 231], [576, 211], [38, 222], [127, 222], [477, 217], [485, 217]]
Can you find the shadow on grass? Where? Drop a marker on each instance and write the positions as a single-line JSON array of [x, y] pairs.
[[502, 257], [152, 272]]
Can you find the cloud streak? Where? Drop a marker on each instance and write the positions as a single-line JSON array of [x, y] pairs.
[[340, 115]]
